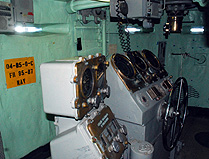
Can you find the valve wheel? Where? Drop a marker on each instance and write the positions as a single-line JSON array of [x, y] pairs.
[[175, 114]]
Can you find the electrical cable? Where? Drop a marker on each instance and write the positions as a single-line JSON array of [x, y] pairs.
[[124, 38]]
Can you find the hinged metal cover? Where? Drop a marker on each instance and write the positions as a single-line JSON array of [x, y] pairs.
[[6, 17]]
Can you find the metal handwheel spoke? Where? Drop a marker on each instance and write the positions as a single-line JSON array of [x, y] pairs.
[[170, 127], [173, 131], [175, 114], [179, 97]]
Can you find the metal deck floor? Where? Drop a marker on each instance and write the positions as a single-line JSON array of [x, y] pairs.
[[194, 124], [192, 149]]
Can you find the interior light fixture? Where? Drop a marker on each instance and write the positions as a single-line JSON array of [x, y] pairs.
[[22, 29], [197, 30], [132, 30]]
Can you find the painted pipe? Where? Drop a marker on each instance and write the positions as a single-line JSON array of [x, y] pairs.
[[104, 38], [76, 5], [56, 28]]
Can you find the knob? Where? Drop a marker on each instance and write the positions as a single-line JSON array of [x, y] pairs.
[[90, 56], [84, 105], [98, 54], [107, 63], [82, 59], [106, 91], [95, 67], [170, 77], [94, 139], [95, 101], [75, 79]]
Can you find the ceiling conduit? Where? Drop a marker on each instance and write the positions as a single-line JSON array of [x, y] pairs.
[[76, 5]]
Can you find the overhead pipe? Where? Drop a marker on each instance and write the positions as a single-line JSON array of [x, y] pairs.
[[56, 28], [104, 38], [76, 5]]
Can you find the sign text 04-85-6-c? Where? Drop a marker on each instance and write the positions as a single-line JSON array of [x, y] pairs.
[[19, 71]]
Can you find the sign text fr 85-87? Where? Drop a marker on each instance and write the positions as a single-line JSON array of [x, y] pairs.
[[19, 71]]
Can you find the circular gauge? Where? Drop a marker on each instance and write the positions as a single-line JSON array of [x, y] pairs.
[[87, 83], [124, 65], [140, 63], [151, 58], [137, 60]]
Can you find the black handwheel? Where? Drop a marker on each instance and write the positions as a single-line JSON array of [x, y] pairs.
[[175, 114]]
